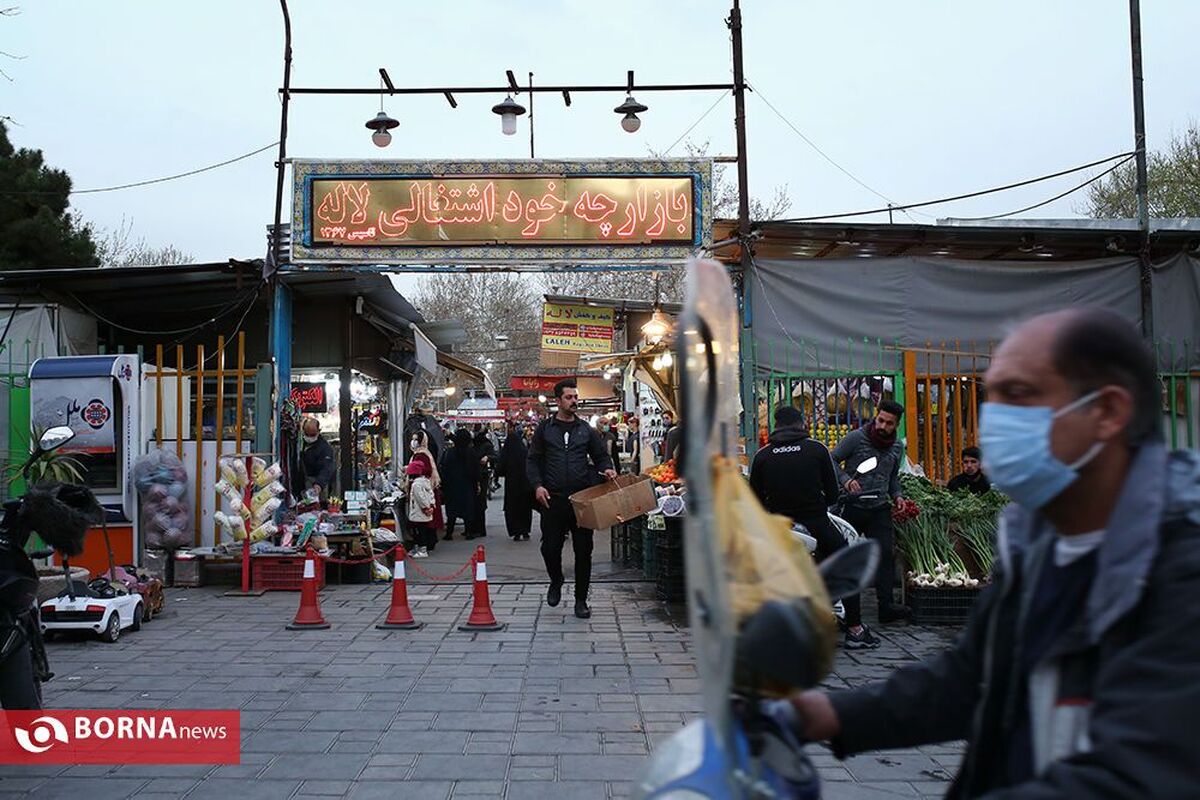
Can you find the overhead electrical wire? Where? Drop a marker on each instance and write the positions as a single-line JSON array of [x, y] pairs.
[[1058, 196], [692, 127], [164, 179], [250, 295], [966, 196], [818, 150]]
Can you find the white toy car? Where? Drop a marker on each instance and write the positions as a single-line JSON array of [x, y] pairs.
[[98, 607]]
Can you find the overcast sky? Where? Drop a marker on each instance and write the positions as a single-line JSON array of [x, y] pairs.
[[917, 99]]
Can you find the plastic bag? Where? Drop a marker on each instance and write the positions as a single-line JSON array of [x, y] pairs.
[[161, 483], [764, 562]]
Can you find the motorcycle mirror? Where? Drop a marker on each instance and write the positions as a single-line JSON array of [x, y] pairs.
[[55, 438], [868, 465], [851, 569]]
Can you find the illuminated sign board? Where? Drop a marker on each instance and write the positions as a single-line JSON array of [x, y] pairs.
[[453, 212], [577, 329], [310, 397]]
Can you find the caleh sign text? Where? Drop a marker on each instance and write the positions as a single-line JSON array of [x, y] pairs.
[[577, 329]]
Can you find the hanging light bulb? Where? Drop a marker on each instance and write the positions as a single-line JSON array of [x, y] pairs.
[[509, 110], [658, 327], [630, 108], [657, 363], [667, 359], [381, 124]]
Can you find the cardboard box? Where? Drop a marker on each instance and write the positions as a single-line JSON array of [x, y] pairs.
[[615, 501]]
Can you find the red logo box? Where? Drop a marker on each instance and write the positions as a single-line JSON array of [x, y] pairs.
[[120, 737]]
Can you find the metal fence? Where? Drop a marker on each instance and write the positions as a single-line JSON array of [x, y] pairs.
[[940, 385]]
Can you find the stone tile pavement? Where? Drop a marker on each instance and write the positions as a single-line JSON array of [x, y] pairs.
[[551, 707]]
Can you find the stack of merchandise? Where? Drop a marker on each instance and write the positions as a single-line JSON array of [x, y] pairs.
[[266, 496]]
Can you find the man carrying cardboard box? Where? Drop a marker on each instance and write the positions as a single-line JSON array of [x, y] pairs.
[[566, 455]]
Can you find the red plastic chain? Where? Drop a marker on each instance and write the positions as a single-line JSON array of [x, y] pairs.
[[367, 560], [440, 578], [443, 578]]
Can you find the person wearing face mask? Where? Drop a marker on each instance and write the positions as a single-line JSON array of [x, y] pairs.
[[317, 462], [1076, 674], [419, 446], [605, 426]]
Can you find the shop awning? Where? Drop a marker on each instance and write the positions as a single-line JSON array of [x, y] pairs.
[[640, 362], [458, 365]]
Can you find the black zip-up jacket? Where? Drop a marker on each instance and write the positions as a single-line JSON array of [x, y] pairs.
[[318, 462], [793, 475], [559, 456], [1113, 702]]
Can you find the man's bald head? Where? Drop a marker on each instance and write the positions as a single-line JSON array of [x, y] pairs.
[[311, 427], [1085, 349]]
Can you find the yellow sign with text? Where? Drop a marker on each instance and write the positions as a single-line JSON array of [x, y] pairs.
[[577, 329]]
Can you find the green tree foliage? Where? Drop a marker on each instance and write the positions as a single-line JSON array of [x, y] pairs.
[[37, 228], [1173, 183]]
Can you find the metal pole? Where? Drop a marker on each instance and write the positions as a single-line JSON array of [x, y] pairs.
[[739, 122], [749, 422], [280, 164], [1139, 146], [531, 115]]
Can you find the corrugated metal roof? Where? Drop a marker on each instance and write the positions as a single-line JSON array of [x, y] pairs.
[[1030, 240]]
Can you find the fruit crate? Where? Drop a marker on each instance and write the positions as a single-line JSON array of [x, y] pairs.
[[938, 605], [282, 573]]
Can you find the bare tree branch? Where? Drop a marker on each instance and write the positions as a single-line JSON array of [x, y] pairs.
[[118, 248]]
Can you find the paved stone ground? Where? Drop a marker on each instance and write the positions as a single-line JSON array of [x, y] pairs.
[[551, 707]]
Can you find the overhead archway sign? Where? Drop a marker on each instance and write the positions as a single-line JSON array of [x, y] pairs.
[[533, 212]]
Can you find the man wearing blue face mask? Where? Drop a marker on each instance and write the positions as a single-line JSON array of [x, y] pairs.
[[1076, 676]]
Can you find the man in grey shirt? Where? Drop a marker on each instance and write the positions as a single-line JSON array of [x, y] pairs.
[[870, 496]]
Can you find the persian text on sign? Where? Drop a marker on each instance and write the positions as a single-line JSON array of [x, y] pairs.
[[485, 209]]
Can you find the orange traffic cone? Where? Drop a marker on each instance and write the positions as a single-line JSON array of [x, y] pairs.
[[309, 613], [482, 618], [399, 615]]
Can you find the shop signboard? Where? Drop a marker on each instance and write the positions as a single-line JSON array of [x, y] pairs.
[[590, 386], [85, 405], [310, 397], [461, 212], [577, 329], [481, 415]]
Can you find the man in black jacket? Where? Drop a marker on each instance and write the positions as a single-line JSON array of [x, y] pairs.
[[793, 475], [971, 478], [316, 459], [558, 466], [1075, 678]]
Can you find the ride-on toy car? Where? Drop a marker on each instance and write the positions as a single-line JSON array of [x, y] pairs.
[[103, 606]]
